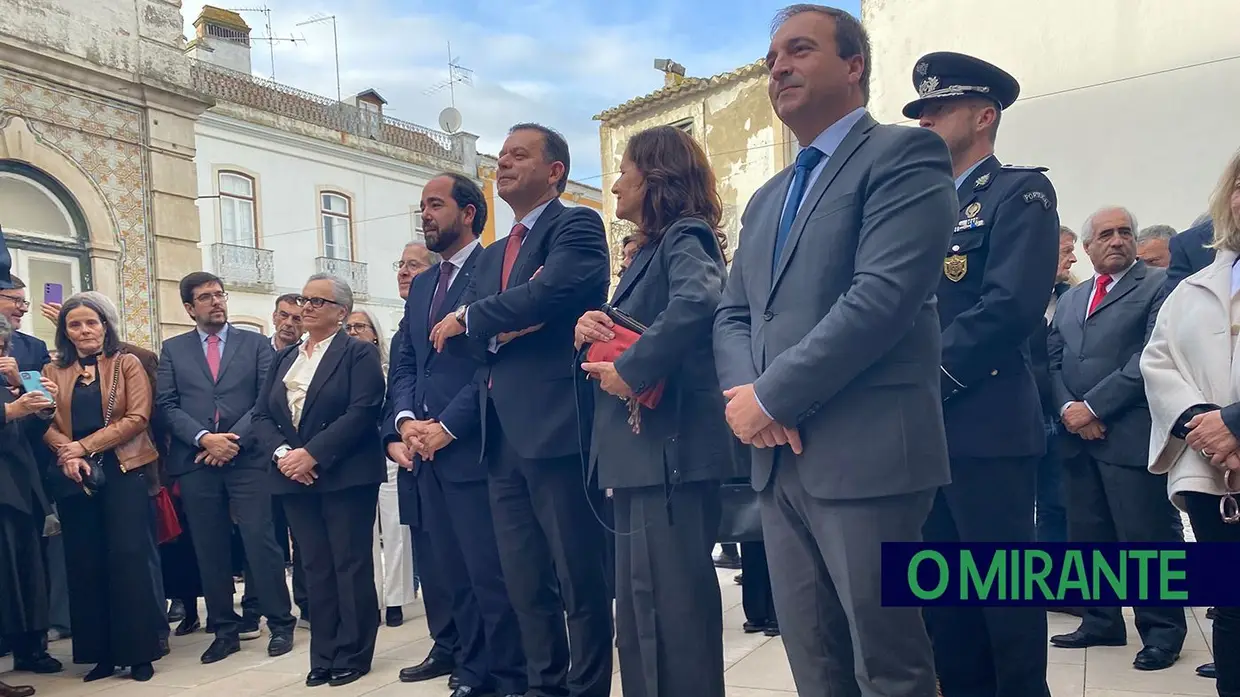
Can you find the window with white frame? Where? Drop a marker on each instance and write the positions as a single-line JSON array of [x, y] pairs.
[[238, 224], [335, 210]]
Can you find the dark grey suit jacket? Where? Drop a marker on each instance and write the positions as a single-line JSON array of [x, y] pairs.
[[672, 287], [844, 342], [1098, 361], [188, 398]]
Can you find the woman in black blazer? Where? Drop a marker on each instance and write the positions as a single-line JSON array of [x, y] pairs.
[[318, 418], [664, 464]]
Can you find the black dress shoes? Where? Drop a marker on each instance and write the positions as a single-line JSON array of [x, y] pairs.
[[220, 649], [176, 611], [99, 672], [142, 672], [1211, 613], [453, 682], [41, 664], [344, 677], [164, 647], [467, 691], [1154, 658], [772, 629], [753, 627], [1081, 640], [279, 645], [188, 626], [395, 617], [429, 669], [1206, 670], [318, 676]]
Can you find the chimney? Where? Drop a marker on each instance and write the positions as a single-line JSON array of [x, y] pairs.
[[673, 72], [222, 38]]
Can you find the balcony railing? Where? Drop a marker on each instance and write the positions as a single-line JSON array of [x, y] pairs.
[[257, 93], [353, 273], [247, 267]]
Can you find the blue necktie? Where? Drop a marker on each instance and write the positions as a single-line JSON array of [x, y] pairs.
[[807, 160]]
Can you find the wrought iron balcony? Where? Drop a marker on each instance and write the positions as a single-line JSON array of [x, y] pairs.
[[353, 273], [244, 267]]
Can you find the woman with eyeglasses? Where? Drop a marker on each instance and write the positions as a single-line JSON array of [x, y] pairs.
[[394, 557], [318, 417], [103, 446], [1192, 383]]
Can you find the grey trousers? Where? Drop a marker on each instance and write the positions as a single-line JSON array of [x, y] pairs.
[[825, 558]]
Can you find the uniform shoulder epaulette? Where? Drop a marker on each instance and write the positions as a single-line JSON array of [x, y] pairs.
[[1026, 168]]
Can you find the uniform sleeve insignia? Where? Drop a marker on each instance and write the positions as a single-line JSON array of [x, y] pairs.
[[1032, 196], [982, 181]]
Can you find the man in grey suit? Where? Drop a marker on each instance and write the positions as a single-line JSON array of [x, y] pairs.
[[1099, 330], [827, 345], [206, 387]]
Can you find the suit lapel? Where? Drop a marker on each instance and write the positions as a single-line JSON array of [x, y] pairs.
[[763, 235], [198, 352], [327, 366], [1124, 287], [532, 241], [858, 135], [279, 394], [635, 271], [231, 341], [461, 282]]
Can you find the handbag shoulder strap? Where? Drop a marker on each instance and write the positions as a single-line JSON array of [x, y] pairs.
[[116, 378]]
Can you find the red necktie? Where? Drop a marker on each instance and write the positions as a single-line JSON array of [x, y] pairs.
[[1100, 292], [213, 362], [510, 253]]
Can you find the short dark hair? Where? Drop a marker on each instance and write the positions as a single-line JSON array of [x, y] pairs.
[[627, 240], [290, 298], [194, 280], [555, 148], [18, 283], [66, 352], [851, 38], [466, 193]]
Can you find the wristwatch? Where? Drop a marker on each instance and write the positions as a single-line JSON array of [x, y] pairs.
[[460, 315], [281, 452]]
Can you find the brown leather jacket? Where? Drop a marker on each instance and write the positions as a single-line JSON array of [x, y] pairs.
[[126, 434]]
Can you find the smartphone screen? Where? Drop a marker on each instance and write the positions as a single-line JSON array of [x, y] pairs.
[[53, 293], [30, 382]]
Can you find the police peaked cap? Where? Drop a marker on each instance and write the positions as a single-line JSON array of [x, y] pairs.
[[947, 75]]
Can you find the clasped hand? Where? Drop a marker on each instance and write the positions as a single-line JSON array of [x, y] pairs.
[[218, 449], [298, 464], [751, 424], [1078, 419], [423, 438], [1210, 437]]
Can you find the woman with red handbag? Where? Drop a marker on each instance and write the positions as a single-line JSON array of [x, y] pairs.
[[659, 437]]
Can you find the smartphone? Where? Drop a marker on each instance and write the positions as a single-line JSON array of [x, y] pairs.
[[53, 293], [31, 383]]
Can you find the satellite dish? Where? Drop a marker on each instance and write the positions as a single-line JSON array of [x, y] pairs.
[[450, 120]]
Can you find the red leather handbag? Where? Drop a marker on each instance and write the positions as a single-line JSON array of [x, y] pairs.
[[627, 331], [167, 526]]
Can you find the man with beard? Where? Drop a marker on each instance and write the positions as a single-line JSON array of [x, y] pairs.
[[998, 272], [434, 396], [207, 385]]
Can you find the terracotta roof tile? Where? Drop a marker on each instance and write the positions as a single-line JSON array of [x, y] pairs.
[[689, 85]]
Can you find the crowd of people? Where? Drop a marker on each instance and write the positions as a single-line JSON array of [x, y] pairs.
[[894, 352]]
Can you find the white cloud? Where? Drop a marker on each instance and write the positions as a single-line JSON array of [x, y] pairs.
[[560, 72]]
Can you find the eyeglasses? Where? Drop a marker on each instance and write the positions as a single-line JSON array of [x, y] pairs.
[[359, 328], [316, 303], [411, 264], [208, 297], [20, 302], [1227, 506]]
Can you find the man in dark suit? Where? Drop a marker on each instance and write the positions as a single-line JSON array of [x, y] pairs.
[[827, 344], [208, 382], [29, 351], [992, 296], [1190, 253], [439, 394], [551, 269], [1100, 328]]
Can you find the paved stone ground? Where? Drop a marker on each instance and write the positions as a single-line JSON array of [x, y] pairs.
[[756, 666]]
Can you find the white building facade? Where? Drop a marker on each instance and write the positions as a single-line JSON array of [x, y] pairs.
[[1128, 102]]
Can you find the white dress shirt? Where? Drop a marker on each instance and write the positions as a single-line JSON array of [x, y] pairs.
[[299, 376]]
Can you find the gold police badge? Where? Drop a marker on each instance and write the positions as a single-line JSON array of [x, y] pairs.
[[955, 267]]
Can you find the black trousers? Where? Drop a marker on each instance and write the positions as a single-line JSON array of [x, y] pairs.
[[437, 597], [23, 582], [112, 597], [551, 548], [1208, 526], [212, 496], [336, 533], [756, 598], [457, 516], [1114, 503], [669, 614], [997, 651]]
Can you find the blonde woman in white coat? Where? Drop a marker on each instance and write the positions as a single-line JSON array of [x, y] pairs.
[[393, 549], [1192, 381]]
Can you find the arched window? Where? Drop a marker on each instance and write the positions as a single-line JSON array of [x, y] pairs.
[[238, 213], [335, 209]]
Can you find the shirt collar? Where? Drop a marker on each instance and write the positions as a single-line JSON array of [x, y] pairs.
[[458, 260], [531, 218], [1115, 277], [222, 334], [829, 140], [965, 174], [318, 348]]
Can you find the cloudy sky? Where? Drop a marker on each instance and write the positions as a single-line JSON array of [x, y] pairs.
[[557, 63]]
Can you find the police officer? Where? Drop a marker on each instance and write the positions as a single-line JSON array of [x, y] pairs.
[[997, 274]]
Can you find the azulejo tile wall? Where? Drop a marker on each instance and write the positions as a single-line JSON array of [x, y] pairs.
[[105, 139]]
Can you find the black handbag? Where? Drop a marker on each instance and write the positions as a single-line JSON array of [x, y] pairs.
[[95, 481], [740, 517]]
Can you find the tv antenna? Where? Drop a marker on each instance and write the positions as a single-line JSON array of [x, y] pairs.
[[320, 17], [271, 38], [456, 73]]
